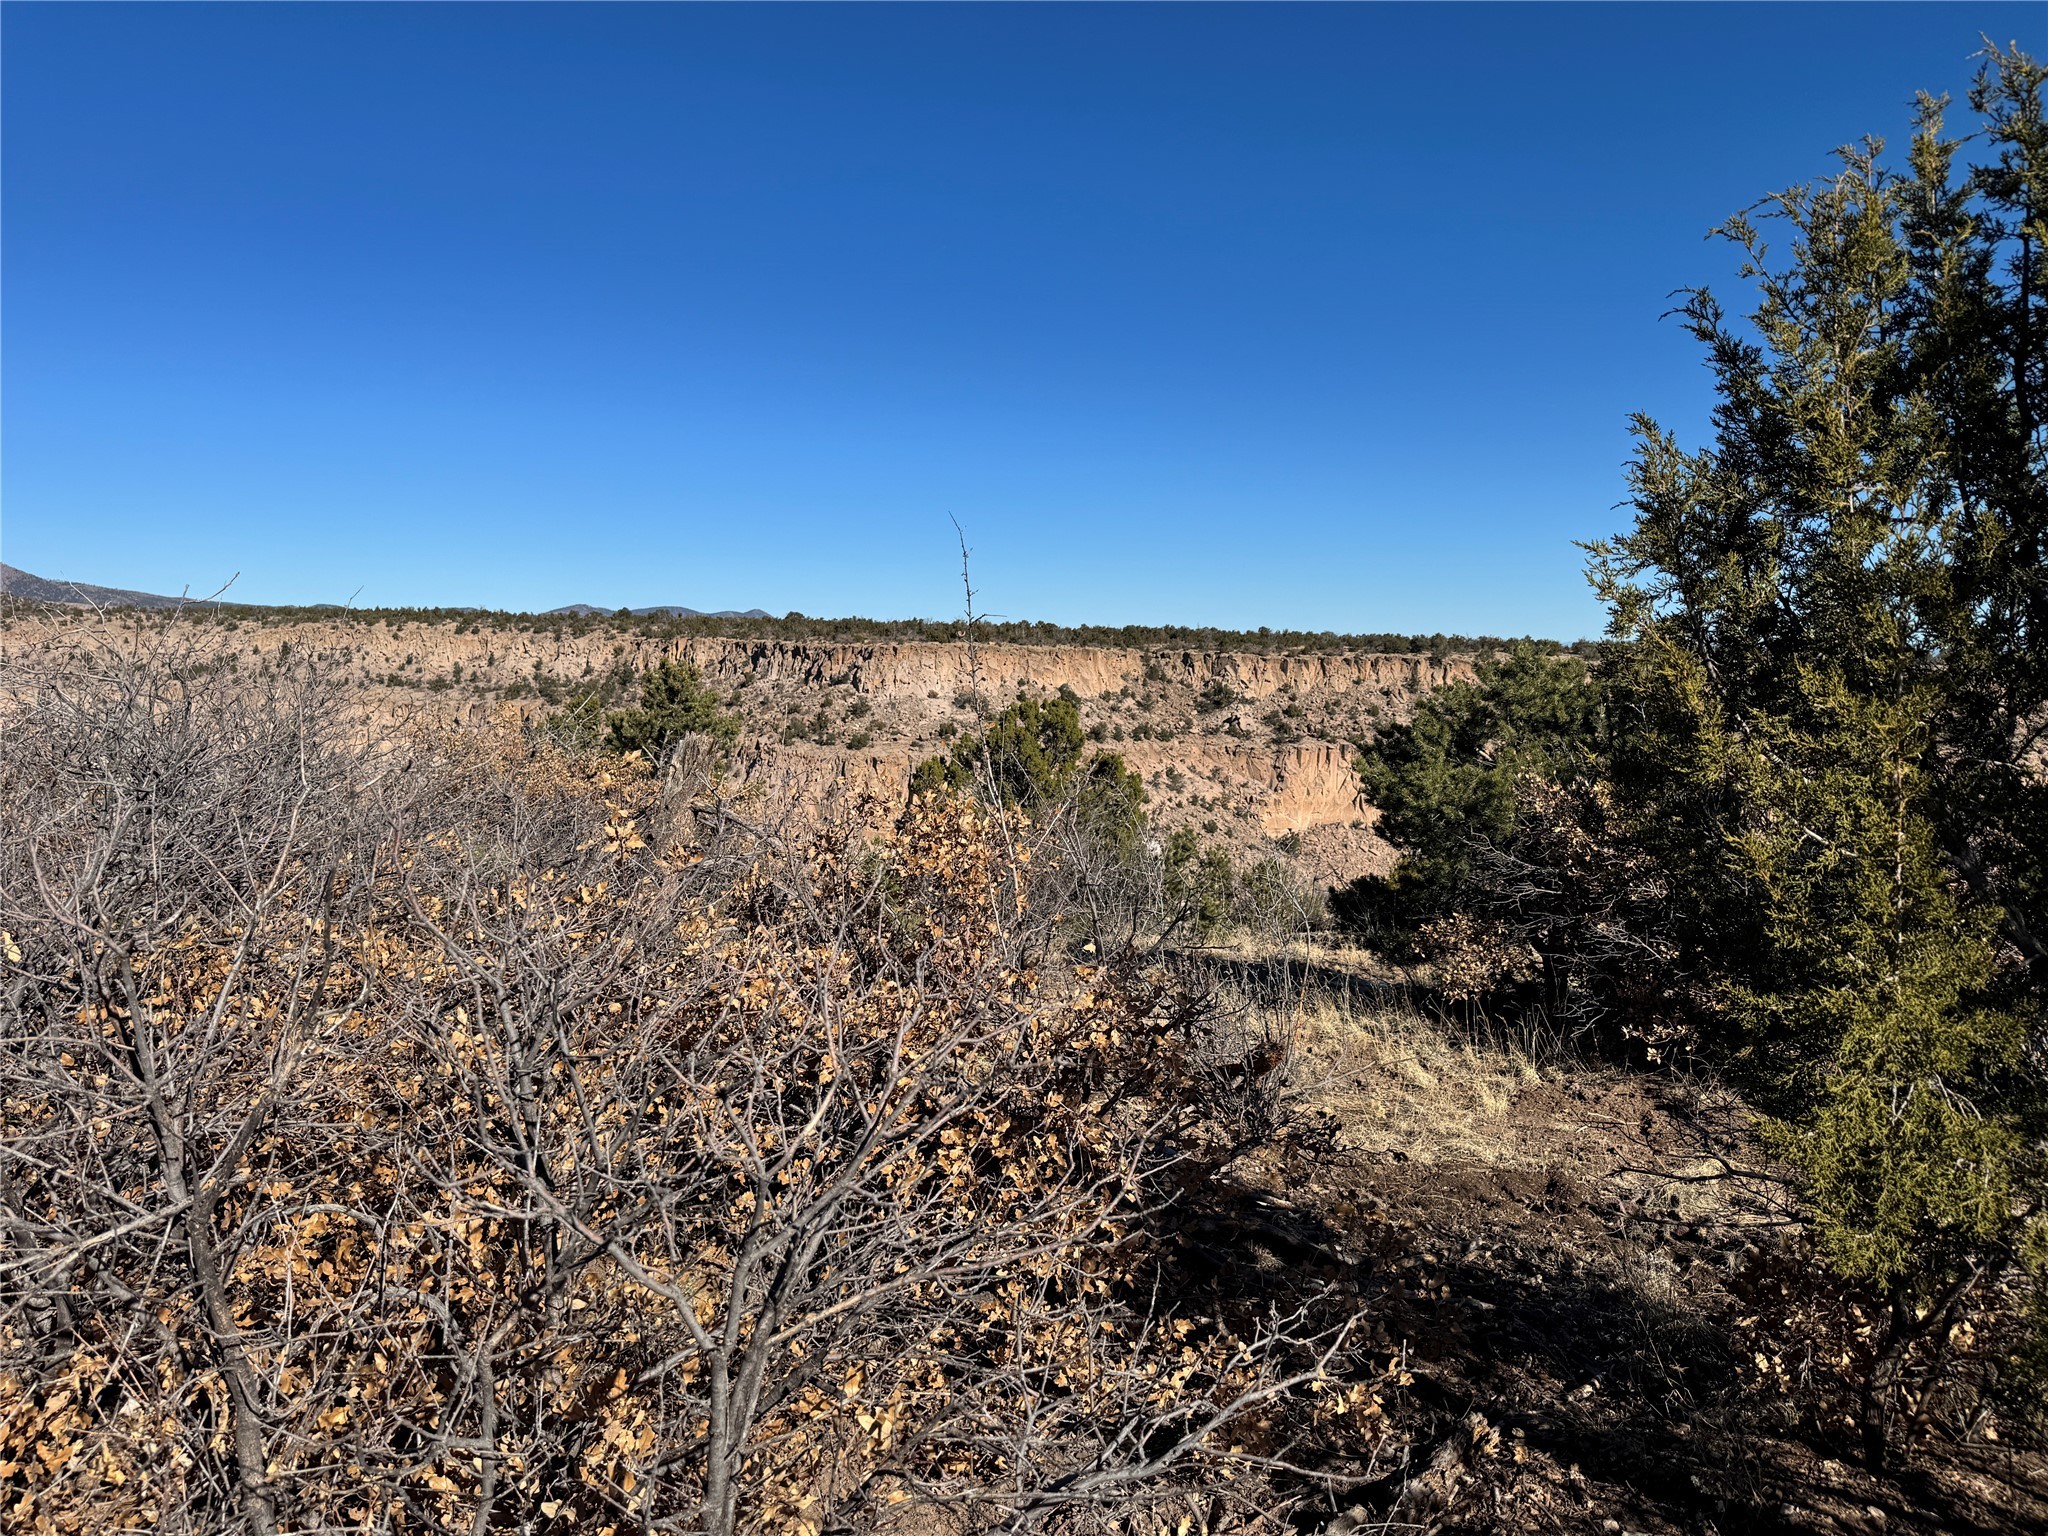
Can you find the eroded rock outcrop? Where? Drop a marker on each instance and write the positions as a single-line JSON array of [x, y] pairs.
[[1271, 760]]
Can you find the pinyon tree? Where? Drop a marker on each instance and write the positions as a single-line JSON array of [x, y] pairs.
[[1032, 756]]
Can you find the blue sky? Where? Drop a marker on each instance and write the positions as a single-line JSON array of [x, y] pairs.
[[1319, 317]]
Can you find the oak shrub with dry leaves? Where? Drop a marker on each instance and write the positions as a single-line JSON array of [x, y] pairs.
[[444, 1133]]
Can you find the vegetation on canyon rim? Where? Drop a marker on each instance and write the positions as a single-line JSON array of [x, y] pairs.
[[1796, 819], [797, 627], [425, 1129]]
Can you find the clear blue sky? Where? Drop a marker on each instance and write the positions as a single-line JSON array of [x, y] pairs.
[[1314, 317]]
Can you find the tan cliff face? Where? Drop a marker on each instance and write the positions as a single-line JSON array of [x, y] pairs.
[[1284, 789], [1251, 750], [917, 667]]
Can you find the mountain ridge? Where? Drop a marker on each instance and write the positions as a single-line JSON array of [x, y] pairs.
[[29, 587], [15, 582]]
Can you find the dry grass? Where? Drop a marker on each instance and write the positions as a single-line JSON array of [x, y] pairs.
[[1397, 1082]]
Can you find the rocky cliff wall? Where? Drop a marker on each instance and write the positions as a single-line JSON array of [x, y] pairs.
[[920, 668], [821, 716], [1285, 789]]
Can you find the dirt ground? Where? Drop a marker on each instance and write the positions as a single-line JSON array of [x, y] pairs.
[[1604, 1306]]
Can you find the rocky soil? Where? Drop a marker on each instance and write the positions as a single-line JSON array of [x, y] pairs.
[[1602, 1329]]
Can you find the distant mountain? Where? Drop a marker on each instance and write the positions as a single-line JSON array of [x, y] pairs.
[[37, 589], [664, 611]]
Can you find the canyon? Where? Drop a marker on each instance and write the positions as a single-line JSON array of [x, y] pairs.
[[1253, 751]]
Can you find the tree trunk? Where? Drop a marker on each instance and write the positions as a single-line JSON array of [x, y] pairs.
[[1881, 1384]]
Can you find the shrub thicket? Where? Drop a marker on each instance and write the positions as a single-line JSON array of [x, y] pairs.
[[503, 1145]]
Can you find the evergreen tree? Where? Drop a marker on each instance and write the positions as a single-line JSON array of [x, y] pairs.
[[1031, 756], [1444, 781], [1518, 882], [1829, 702], [1447, 782], [674, 703], [1031, 749]]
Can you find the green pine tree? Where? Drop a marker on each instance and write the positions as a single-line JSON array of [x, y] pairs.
[[1447, 783]]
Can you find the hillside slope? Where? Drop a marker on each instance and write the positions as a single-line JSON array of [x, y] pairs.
[[21, 584]]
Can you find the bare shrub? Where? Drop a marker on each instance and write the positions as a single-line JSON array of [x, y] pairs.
[[460, 1132]]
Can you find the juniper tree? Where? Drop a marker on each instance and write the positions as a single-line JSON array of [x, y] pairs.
[[1830, 700], [1446, 781], [674, 703], [1031, 755]]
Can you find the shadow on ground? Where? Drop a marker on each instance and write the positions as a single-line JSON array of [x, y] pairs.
[[1590, 1310]]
